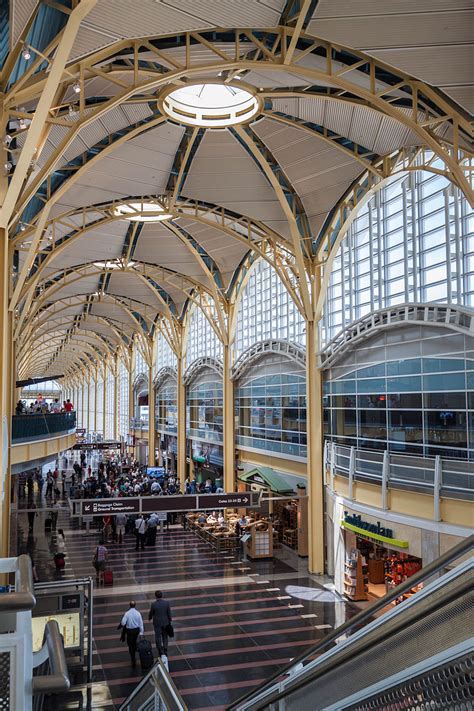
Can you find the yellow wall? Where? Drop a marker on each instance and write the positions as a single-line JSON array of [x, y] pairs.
[[267, 460], [410, 503], [29, 451]]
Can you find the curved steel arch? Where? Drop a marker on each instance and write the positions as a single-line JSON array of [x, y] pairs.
[[270, 346], [438, 315], [194, 368]]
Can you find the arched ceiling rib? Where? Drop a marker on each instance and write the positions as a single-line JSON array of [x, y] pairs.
[[329, 114]]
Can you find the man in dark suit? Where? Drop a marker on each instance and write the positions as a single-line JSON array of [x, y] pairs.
[[160, 613]]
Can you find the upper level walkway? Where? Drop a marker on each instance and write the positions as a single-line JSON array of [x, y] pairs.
[[40, 436]]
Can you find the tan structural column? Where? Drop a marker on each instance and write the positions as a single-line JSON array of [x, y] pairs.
[[181, 403], [151, 418], [228, 422], [315, 452]]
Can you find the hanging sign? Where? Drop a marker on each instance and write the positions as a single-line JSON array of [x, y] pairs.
[[355, 523]]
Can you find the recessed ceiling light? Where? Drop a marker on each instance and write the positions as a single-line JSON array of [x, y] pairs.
[[135, 212], [210, 105]]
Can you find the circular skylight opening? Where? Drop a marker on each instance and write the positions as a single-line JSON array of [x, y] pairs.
[[210, 105], [134, 211]]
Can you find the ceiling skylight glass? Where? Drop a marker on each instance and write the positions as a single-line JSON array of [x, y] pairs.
[[134, 211], [211, 105]]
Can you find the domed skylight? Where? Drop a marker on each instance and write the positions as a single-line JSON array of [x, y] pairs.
[[210, 105]]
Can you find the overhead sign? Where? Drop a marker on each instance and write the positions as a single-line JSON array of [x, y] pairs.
[[97, 445], [102, 507], [355, 523], [168, 503], [224, 501], [150, 504]]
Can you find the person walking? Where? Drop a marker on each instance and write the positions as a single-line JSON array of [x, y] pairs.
[[100, 560], [121, 522], [160, 613], [152, 523], [132, 623], [140, 528]]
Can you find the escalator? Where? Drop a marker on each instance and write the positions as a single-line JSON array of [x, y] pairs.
[[416, 656]]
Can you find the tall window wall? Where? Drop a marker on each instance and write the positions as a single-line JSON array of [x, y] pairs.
[[86, 402], [167, 407], [202, 340], [270, 407], [109, 414], [204, 406], [140, 363], [412, 242], [410, 390], [266, 310], [165, 356], [100, 404], [124, 426], [92, 405]]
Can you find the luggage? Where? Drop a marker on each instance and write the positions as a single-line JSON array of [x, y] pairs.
[[59, 561], [108, 577], [145, 653], [48, 525]]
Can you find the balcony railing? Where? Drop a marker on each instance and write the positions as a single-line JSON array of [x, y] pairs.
[[448, 478], [137, 423], [27, 428]]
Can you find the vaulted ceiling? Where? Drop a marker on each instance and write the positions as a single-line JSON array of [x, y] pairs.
[[345, 90]]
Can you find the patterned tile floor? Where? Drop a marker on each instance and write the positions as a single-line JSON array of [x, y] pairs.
[[236, 623]]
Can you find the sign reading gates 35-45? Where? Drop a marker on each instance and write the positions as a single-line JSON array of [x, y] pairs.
[[101, 507]]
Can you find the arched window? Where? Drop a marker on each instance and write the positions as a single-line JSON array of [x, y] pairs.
[[202, 340], [270, 407], [204, 406], [266, 310], [412, 242], [109, 414], [167, 406]]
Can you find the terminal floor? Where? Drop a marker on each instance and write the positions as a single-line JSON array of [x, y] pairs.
[[236, 623]]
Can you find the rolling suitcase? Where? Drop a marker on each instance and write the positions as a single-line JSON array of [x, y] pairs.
[[48, 525], [108, 577], [145, 653]]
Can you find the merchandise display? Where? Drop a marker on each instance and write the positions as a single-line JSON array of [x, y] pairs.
[[386, 568]]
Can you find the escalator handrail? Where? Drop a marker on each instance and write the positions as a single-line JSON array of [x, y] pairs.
[[428, 571]]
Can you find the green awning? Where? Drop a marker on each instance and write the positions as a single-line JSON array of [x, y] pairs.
[[197, 458], [265, 476]]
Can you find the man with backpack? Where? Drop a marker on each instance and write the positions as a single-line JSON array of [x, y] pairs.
[[140, 529]]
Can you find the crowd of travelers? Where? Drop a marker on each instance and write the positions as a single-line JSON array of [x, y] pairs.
[[43, 407], [120, 478]]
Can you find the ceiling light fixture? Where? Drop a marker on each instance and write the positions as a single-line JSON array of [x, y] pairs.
[[8, 167], [25, 52], [211, 105], [71, 111], [76, 87], [136, 212], [7, 140], [22, 123]]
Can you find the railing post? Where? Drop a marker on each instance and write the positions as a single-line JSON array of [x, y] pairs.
[[351, 473], [438, 472], [385, 479], [333, 463]]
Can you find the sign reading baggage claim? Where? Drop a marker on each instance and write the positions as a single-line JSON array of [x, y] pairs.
[[354, 522], [148, 504]]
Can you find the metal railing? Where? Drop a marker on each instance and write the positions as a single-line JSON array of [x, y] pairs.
[[155, 692], [430, 628], [448, 478], [24, 597], [137, 423], [53, 651], [26, 428], [16, 644]]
